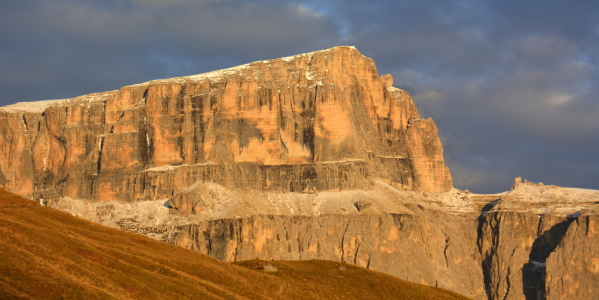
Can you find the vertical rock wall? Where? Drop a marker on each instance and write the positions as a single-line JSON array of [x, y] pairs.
[[319, 121]]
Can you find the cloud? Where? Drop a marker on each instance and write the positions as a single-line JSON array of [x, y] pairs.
[[114, 43], [166, 3]]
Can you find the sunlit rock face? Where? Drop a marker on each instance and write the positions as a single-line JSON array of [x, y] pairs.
[[313, 122]]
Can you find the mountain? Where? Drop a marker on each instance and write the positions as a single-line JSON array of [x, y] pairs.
[[313, 156], [49, 254], [312, 122]]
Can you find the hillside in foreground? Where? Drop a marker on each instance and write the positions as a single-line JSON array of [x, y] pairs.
[[49, 254]]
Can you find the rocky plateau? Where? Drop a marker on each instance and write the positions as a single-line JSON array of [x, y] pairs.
[[313, 156]]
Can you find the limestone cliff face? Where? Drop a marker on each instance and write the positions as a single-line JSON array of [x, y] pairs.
[[319, 121]]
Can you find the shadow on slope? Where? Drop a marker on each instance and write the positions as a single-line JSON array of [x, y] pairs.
[[49, 254]]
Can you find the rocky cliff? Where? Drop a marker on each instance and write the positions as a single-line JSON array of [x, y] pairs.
[[313, 156], [320, 121]]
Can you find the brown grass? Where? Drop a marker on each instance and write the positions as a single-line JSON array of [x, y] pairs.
[[49, 254]]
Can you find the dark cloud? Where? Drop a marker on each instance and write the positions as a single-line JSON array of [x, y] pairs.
[[512, 84], [89, 46]]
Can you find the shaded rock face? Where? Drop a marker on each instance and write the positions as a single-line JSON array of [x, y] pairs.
[[319, 121]]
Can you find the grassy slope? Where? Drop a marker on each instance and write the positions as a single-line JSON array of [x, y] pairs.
[[49, 254]]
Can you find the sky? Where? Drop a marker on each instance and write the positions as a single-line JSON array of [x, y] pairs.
[[513, 85]]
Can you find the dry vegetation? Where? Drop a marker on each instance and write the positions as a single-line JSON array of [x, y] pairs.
[[48, 254]]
